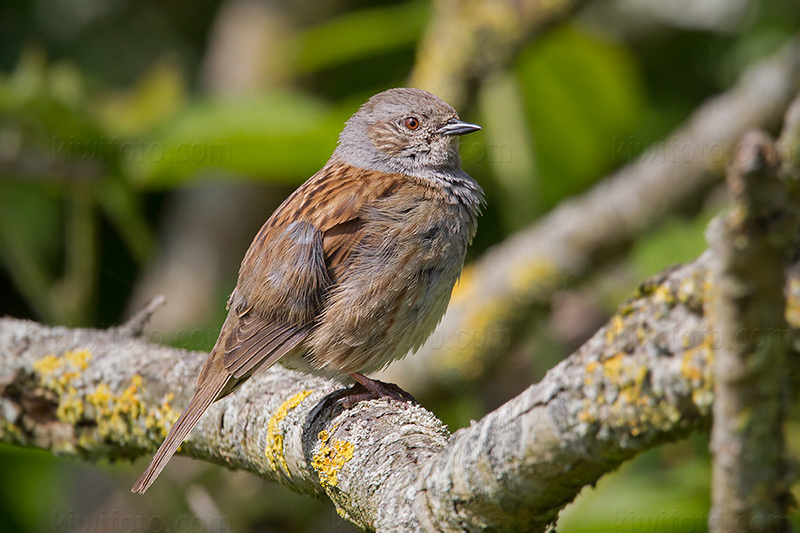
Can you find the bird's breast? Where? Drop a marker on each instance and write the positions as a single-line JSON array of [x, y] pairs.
[[396, 286]]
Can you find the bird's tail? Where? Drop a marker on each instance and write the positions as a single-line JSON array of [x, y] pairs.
[[203, 397]]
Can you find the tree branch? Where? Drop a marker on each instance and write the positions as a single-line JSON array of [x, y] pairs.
[[135, 325], [752, 249], [642, 380], [468, 39]]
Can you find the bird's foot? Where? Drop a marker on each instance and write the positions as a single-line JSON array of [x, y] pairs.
[[371, 389]]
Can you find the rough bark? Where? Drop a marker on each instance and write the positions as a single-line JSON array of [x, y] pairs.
[[752, 247]]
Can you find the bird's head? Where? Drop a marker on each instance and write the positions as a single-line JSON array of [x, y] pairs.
[[404, 130]]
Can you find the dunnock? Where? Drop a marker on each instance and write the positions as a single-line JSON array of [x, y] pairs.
[[356, 267]]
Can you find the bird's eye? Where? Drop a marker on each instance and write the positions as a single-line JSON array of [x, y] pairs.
[[411, 123]]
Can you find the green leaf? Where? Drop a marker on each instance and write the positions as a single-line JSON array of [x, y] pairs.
[[30, 241], [44, 106], [580, 93], [159, 94], [641, 497], [675, 241], [275, 136], [360, 34]]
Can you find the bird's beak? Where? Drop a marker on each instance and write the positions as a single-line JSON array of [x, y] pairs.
[[457, 127]]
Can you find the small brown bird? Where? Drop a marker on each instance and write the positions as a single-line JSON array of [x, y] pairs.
[[355, 269]]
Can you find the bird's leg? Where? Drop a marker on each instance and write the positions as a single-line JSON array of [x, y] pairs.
[[371, 389]]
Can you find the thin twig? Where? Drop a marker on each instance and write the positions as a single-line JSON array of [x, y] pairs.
[[135, 325]]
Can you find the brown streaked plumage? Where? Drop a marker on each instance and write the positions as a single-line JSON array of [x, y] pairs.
[[356, 267]]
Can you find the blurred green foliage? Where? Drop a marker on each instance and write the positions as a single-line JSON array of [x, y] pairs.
[[102, 121], [580, 91], [275, 136], [360, 34], [32, 483]]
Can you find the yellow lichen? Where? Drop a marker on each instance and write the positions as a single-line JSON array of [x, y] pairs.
[[591, 367], [100, 398], [71, 365], [689, 369], [464, 354], [87, 440], [689, 290], [793, 303], [625, 308], [696, 366], [640, 375], [162, 417], [129, 402], [330, 458], [708, 288], [629, 395], [274, 449], [663, 295], [615, 328], [78, 359], [534, 277], [47, 365], [634, 407], [612, 367], [11, 433], [70, 408], [66, 378], [589, 414], [116, 416]]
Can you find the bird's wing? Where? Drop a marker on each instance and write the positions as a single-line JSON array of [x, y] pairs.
[[299, 254], [257, 342], [293, 262], [275, 306]]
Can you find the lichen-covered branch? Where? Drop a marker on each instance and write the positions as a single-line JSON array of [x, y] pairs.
[[642, 380], [501, 289], [752, 249], [468, 39]]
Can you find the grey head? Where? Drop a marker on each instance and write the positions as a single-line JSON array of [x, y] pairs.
[[407, 131]]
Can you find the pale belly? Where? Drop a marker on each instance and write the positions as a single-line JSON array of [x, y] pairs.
[[390, 301]]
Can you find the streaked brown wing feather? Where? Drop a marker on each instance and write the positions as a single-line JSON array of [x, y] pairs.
[[257, 342], [339, 242], [299, 254]]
